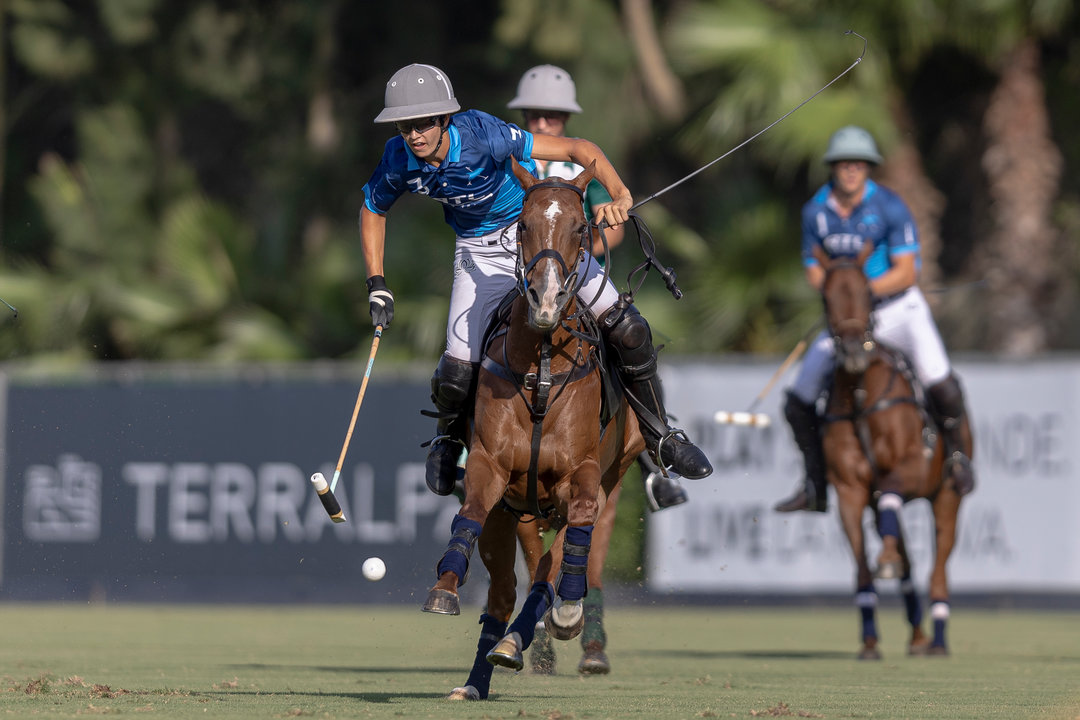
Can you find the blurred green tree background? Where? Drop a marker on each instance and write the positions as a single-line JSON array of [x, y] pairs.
[[182, 180]]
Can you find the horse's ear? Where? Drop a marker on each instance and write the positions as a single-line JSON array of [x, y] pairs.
[[585, 176], [821, 256], [864, 252], [524, 177]]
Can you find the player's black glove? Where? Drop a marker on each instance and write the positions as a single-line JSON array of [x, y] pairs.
[[380, 301]]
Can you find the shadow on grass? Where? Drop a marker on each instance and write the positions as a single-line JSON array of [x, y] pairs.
[[753, 654], [414, 669], [381, 698]]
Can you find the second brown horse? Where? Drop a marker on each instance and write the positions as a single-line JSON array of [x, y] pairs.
[[880, 452]]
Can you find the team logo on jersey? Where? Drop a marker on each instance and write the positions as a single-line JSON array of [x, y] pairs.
[[842, 244]]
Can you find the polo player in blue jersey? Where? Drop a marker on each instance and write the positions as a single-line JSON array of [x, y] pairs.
[[463, 161], [849, 210]]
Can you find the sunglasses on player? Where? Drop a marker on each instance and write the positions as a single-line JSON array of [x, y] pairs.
[[420, 125]]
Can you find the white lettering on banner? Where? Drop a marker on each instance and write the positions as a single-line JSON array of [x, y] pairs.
[[63, 504], [1024, 444], [145, 477], [222, 502], [189, 503]]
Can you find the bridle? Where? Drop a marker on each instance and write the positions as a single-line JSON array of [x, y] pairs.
[[835, 330], [572, 279]]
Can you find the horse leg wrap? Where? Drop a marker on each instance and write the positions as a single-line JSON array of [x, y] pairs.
[[490, 634], [866, 599], [911, 602], [939, 611], [889, 505], [594, 619], [532, 610], [573, 585], [463, 535]]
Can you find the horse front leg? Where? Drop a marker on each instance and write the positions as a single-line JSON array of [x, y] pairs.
[[566, 617], [498, 551], [852, 501], [594, 660], [946, 507], [912, 606], [452, 570]]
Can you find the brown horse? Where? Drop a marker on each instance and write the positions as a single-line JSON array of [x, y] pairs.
[[881, 452], [537, 447]]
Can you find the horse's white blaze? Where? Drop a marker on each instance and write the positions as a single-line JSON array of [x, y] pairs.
[[553, 211]]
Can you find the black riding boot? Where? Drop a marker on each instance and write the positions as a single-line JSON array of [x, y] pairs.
[[947, 409], [806, 427], [631, 341], [452, 388]]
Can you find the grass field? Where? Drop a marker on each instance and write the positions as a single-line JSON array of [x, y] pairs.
[[64, 661]]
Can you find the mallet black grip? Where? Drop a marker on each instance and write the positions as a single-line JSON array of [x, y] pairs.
[[329, 502]]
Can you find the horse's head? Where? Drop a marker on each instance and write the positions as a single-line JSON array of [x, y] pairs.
[[848, 302], [553, 237]]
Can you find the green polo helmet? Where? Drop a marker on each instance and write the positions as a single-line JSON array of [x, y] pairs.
[[546, 87], [852, 143], [417, 91]]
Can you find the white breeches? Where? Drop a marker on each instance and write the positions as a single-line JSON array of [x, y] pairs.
[[484, 274], [903, 323]]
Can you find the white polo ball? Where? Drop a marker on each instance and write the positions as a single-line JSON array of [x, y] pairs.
[[373, 569]]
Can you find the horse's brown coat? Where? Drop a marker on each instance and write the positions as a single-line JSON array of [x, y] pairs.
[[865, 376]]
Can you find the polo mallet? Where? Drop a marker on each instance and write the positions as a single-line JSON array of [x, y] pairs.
[[761, 420], [325, 491], [12, 308]]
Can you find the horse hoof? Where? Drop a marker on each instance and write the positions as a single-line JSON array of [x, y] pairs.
[[594, 661], [869, 654], [442, 602], [920, 649], [464, 693], [565, 619], [507, 653], [938, 651], [888, 571]]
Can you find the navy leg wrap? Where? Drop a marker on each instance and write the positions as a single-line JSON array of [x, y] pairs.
[[464, 533], [911, 602], [490, 634], [573, 584], [939, 611], [888, 514], [866, 598], [533, 609]]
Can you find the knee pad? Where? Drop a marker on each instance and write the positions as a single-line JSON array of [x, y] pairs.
[[947, 397], [631, 341], [453, 383]]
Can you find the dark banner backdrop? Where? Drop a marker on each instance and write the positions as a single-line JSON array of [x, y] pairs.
[[162, 490]]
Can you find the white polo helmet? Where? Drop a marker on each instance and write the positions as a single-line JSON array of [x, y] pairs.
[[417, 91], [852, 143], [546, 87]]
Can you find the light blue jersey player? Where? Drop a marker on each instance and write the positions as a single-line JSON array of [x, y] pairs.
[[463, 161], [848, 211]]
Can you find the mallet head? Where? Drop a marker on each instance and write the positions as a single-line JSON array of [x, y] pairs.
[[329, 502]]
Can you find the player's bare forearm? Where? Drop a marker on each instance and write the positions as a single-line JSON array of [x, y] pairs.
[[585, 153], [372, 240]]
